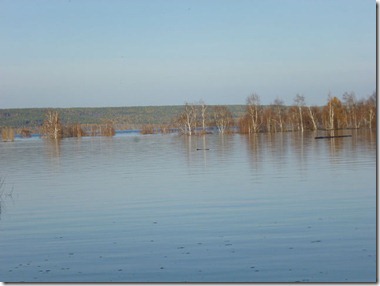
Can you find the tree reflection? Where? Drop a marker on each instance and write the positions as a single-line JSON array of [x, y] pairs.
[[337, 145], [223, 146], [53, 148], [53, 151], [254, 150], [298, 142], [277, 148]]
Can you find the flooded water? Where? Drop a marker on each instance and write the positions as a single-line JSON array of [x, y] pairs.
[[265, 208]]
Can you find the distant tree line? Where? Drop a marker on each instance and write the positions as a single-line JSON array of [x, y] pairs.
[[194, 118]]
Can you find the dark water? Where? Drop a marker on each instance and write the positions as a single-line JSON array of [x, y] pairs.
[[264, 208]]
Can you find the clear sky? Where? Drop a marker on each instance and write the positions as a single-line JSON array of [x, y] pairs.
[[87, 53]]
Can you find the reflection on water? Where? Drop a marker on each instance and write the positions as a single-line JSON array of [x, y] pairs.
[[279, 207]]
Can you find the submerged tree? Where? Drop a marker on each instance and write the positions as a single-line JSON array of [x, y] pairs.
[[7, 134], [223, 119], [333, 113], [253, 110], [278, 106], [370, 106], [107, 128], [203, 117], [52, 127], [299, 100], [187, 120], [351, 108], [73, 130], [25, 133], [313, 111]]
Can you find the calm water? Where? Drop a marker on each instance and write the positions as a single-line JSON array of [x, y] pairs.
[[277, 208]]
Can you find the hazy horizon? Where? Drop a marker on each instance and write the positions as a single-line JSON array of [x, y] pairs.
[[81, 53]]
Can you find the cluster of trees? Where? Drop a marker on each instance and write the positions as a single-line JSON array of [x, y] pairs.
[[52, 128], [199, 118], [7, 134], [349, 112]]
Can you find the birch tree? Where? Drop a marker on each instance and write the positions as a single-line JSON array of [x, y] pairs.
[[52, 127], [223, 118], [203, 109], [299, 100], [188, 119], [278, 106], [313, 117], [351, 107], [253, 109]]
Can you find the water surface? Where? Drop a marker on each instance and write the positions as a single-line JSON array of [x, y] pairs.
[[265, 208]]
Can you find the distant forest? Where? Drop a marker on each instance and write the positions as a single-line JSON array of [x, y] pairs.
[[193, 118], [133, 117]]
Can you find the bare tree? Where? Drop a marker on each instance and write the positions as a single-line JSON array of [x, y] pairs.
[[278, 106], [187, 119], [253, 109], [223, 118], [7, 134], [313, 117], [331, 112], [334, 115], [203, 109], [351, 107], [268, 120], [52, 127], [371, 110], [299, 100]]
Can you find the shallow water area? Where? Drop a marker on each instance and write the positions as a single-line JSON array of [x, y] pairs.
[[278, 207]]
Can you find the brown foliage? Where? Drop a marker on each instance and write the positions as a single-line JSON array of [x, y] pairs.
[[25, 133], [333, 114], [73, 130], [147, 129], [7, 134]]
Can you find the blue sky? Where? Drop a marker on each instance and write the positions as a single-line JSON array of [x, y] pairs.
[[71, 53]]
